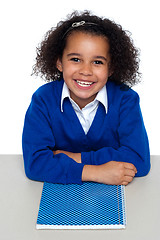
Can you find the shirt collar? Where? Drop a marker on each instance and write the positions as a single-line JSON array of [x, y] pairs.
[[101, 96]]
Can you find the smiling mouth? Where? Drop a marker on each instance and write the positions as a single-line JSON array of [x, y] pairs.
[[84, 83]]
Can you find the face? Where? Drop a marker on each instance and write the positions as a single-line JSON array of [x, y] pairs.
[[85, 66]]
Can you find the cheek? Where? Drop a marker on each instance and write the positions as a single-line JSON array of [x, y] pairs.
[[103, 75], [69, 69], [68, 73]]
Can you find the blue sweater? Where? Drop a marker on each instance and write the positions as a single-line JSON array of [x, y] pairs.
[[119, 135]]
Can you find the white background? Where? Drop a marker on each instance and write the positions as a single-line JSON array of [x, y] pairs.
[[23, 25]]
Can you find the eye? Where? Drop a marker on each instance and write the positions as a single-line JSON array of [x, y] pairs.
[[98, 62], [75, 59]]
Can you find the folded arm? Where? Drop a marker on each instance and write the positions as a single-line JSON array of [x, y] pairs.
[[132, 158], [38, 143], [107, 165]]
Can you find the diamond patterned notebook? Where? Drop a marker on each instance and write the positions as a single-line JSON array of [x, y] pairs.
[[86, 206]]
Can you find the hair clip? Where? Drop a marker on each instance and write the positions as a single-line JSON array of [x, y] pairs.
[[77, 24]]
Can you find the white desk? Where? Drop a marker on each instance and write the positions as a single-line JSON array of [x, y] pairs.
[[20, 198]]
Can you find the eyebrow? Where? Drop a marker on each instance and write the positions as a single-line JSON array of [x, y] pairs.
[[73, 54], [101, 57], [77, 54]]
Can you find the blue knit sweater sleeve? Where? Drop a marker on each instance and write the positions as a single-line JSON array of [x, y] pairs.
[[38, 143], [132, 137]]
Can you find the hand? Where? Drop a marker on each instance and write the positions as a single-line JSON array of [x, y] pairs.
[[113, 173], [75, 156]]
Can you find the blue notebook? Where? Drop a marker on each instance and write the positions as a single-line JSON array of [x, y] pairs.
[[87, 206]]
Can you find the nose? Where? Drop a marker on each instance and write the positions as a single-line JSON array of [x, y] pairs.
[[86, 69]]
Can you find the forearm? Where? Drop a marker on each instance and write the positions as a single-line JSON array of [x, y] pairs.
[[75, 156], [42, 165], [123, 154], [113, 173], [89, 173]]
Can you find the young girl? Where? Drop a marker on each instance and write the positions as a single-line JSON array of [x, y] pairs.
[[86, 124]]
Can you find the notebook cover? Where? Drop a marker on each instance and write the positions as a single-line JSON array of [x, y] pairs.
[[86, 206]]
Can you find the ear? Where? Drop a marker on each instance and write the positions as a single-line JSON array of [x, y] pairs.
[[59, 65], [110, 71]]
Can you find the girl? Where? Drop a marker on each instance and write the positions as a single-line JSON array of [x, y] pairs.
[[86, 124]]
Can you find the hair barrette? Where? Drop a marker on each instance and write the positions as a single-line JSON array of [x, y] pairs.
[[77, 24]]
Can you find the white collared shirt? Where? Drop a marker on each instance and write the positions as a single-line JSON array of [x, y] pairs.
[[86, 114]]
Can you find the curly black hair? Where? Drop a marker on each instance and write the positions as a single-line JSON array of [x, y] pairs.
[[124, 55]]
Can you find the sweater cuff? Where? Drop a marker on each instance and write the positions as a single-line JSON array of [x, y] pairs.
[[74, 174], [86, 158]]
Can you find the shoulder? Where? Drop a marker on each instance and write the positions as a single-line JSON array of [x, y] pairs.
[[48, 96], [49, 89], [121, 93]]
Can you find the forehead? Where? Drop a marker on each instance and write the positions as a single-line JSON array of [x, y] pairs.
[[86, 42]]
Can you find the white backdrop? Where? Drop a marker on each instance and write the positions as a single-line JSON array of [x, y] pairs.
[[22, 26]]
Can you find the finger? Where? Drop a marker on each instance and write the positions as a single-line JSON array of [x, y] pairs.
[[130, 166], [125, 183], [129, 172], [128, 179]]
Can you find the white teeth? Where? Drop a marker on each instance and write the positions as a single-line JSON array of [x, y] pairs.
[[84, 84]]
